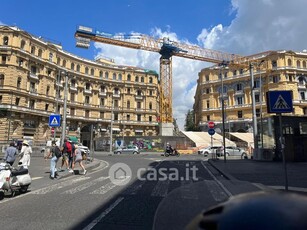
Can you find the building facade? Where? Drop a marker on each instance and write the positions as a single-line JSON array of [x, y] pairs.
[[32, 86]]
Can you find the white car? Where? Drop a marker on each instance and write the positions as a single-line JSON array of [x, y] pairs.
[[129, 149], [232, 151], [208, 150], [84, 149]]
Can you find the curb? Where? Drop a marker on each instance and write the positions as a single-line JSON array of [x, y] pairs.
[[226, 175]]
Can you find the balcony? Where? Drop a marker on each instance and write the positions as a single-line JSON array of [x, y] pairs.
[[33, 76], [102, 93], [73, 88], [33, 91], [87, 91], [139, 97], [116, 95]]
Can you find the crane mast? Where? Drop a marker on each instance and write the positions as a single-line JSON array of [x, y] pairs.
[[84, 35]]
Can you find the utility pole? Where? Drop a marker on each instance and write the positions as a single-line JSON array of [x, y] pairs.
[[111, 128], [64, 109], [57, 100], [255, 130]]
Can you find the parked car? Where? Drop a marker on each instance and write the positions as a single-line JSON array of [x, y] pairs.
[[84, 149], [232, 151], [129, 149], [208, 150]]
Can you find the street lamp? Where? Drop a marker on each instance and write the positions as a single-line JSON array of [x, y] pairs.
[[64, 110], [222, 66]]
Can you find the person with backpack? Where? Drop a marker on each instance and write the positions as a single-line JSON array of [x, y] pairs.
[[67, 154], [55, 152]]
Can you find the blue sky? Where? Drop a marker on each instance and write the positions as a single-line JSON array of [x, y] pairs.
[[235, 26]]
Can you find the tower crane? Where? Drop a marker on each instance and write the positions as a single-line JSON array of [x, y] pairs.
[[167, 48]]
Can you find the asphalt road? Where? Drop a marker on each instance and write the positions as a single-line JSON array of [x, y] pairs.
[[158, 193]]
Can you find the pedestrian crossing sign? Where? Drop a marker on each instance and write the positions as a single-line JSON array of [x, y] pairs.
[[279, 101], [55, 120]]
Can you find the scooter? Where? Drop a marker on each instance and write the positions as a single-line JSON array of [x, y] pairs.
[[12, 180], [172, 153]]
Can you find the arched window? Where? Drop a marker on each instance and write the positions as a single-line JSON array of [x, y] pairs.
[[58, 61], [22, 44], [139, 92], [72, 66], [298, 64], [128, 104], [40, 53], [102, 89], [129, 77], [100, 74], [47, 90], [86, 70], [150, 105], [137, 79], [64, 63], [120, 77], [92, 72], [33, 50], [142, 79], [114, 76], [78, 68], [150, 80], [106, 75], [289, 62], [18, 83], [304, 64], [5, 41], [88, 86]]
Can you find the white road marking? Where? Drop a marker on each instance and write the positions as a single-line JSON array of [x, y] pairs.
[[85, 186], [217, 181], [161, 188], [217, 193], [59, 185], [186, 192], [36, 178], [134, 188], [104, 189], [103, 214]]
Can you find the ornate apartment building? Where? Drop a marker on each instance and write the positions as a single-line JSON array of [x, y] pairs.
[[278, 70], [32, 85]]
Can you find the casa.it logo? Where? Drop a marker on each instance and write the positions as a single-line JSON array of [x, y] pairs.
[[120, 174]]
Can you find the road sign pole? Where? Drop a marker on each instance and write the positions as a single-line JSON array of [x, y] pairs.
[[282, 152]]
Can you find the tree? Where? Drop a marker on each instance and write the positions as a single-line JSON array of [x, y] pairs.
[[189, 121]]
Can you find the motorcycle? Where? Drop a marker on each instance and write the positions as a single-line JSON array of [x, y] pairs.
[[172, 153], [12, 179]]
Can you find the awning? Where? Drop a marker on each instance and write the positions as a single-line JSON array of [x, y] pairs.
[[73, 138], [138, 131], [116, 129]]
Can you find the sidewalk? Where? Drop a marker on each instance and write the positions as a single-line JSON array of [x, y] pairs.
[[270, 174]]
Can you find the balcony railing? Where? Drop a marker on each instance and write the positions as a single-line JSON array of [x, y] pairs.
[[33, 76]]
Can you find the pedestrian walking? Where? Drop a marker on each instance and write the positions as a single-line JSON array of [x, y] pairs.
[[25, 154], [10, 154], [55, 154], [78, 159], [67, 153]]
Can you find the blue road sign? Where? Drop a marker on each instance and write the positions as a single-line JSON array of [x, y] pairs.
[[211, 131], [55, 120], [279, 101]]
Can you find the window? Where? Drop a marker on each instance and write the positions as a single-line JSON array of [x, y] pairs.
[[86, 70], [64, 63], [128, 104], [150, 80], [139, 105], [208, 118], [100, 74], [115, 117], [46, 106], [5, 41], [102, 102], [298, 64], [18, 83], [256, 84], [128, 90], [102, 89], [87, 113], [3, 59], [207, 77], [32, 104], [120, 77], [239, 87], [72, 97], [20, 62], [73, 83], [128, 117], [257, 98], [304, 64], [150, 118], [50, 57], [22, 44], [1, 80], [207, 90], [142, 79], [72, 112], [234, 73], [129, 77], [136, 79], [88, 86], [150, 105], [241, 71], [150, 92], [114, 76], [240, 114], [302, 95], [92, 72], [208, 104], [139, 117], [289, 62], [116, 91], [115, 103], [58, 61], [275, 79], [274, 64], [72, 66], [257, 112], [59, 109], [139, 93], [87, 100], [47, 90], [17, 100], [106, 75], [40, 53], [33, 50], [239, 100], [78, 68], [101, 115]]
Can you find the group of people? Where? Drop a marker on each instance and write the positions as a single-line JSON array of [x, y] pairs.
[[11, 154], [70, 154]]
